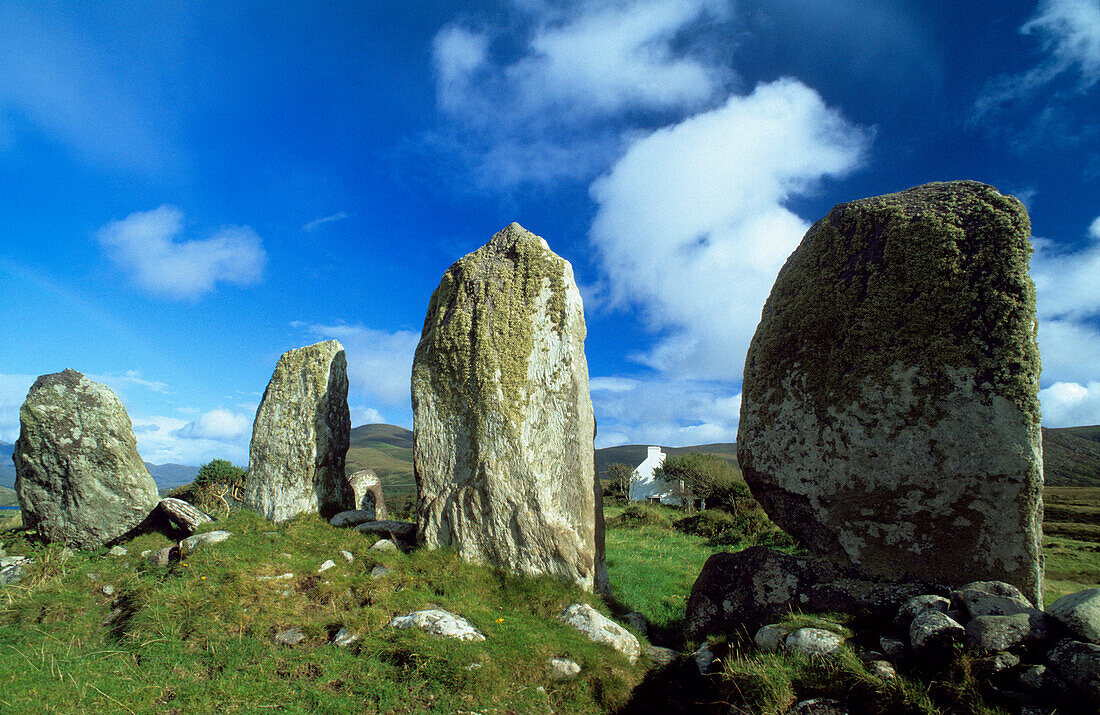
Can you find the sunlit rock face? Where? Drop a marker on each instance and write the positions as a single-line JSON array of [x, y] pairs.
[[78, 475], [503, 423], [301, 435], [890, 413]]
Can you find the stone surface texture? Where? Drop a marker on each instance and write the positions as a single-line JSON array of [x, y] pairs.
[[1079, 613], [890, 413], [300, 437], [814, 641], [1079, 665], [78, 475], [437, 622], [367, 494], [601, 629], [932, 630], [503, 423]]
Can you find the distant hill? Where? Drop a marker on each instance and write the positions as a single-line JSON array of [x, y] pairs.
[[168, 476], [386, 449], [7, 467], [1070, 457], [8, 497]]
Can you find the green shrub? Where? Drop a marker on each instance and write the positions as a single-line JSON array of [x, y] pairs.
[[638, 515], [747, 525], [218, 488]]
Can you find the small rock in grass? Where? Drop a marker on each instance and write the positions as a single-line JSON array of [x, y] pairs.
[[380, 571], [563, 668], [118, 551], [108, 590], [206, 539], [347, 556], [660, 656], [92, 576], [291, 636], [344, 638], [770, 637], [601, 629], [1080, 614], [814, 641], [66, 553], [932, 630], [281, 577], [11, 574], [438, 622], [384, 545], [160, 557], [326, 566], [821, 706]]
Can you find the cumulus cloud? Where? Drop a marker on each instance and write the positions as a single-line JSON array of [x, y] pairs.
[[552, 107], [706, 198], [1069, 404], [219, 424], [145, 244], [671, 413], [1069, 34], [159, 441], [1068, 304], [379, 362]]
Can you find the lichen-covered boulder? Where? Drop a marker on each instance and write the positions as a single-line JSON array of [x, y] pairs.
[[300, 437], [367, 494], [78, 475], [503, 423], [890, 411]]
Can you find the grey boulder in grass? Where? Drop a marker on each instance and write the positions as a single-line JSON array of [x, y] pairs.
[[78, 475], [301, 435], [890, 414], [503, 422]]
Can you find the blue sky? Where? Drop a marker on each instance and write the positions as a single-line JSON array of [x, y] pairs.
[[189, 189]]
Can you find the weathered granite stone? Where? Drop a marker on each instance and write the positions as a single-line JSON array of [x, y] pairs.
[[998, 633], [918, 605], [367, 494], [993, 664], [78, 475], [601, 629], [352, 517], [932, 630], [814, 641], [660, 656], [402, 533], [770, 638], [991, 598], [503, 423], [890, 411], [300, 437], [344, 638], [205, 539], [290, 636], [1079, 613], [1079, 665], [437, 622], [563, 668]]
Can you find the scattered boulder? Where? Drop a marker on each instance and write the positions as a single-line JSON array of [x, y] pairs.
[[637, 621], [183, 515], [352, 517], [367, 494], [814, 641], [402, 533], [78, 475], [11, 573], [1079, 665], [821, 706], [704, 658], [1079, 613], [380, 571], [993, 664], [503, 422], [343, 638], [661, 656], [918, 605], [205, 539], [162, 557], [563, 669], [999, 633], [117, 551], [601, 629], [890, 413], [329, 563], [301, 435], [932, 630], [770, 637], [438, 622], [384, 545], [991, 598], [893, 648], [290, 636], [882, 669]]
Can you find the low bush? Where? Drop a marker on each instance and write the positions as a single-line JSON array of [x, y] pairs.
[[747, 525], [639, 515]]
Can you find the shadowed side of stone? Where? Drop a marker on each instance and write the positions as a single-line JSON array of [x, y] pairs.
[[890, 414], [78, 475], [301, 435], [503, 420]]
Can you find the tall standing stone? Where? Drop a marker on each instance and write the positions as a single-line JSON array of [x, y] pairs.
[[78, 475], [301, 435], [503, 423], [890, 413]]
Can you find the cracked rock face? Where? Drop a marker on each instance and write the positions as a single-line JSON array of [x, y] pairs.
[[503, 423], [890, 414], [300, 437], [78, 474]]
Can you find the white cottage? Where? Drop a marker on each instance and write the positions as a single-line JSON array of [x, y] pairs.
[[644, 486]]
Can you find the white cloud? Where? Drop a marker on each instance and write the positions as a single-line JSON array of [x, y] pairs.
[[1070, 351], [145, 245], [365, 416], [219, 425], [667, 412], [317, 223], [13, 393], [705, 198], [159, 442], [379, 362], [555, 109], [1068, 404], [1069, 32]]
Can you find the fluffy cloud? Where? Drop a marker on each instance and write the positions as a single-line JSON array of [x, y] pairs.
[[379, 362], [145, 245], [13, 393], [219, 425], [705, 198], [1068, 404], [554, 108], [160, 440], [670, 413]]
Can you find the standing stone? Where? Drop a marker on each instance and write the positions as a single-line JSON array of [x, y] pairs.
[[301, 435], [367, 494], [890, 414], [503, 422], [78, 475]]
